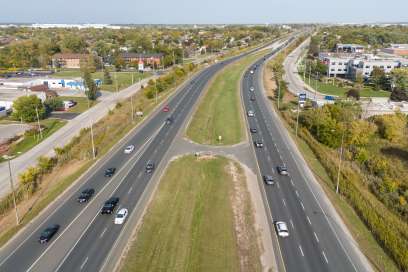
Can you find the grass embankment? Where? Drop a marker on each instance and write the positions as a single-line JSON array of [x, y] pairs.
[[219, 111], [364, 237], [123, 79], [330, 89], [31, 139], [44, 184], [190, 225]]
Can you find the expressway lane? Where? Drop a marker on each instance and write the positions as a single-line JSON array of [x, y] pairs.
[[313, 245], [85, 238]]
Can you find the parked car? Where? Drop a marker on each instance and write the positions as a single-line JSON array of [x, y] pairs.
[[129, 149], [282, 170], [86, 195], [48, 233], [110, 171], [258, 143], [121, 216], [268, 180], [110, 205], [149, 167], [253, 130], [281, 229]]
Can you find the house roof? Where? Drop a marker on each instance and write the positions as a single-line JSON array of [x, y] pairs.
[[127, 55], [70, 56], [39, 88]]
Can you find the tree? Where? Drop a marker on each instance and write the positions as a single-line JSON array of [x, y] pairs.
[[378, 78], [24, 108], [51, 104], [89, 83], [392, 127], [353, 93], [359, 81], [399, 94], [107, 79]]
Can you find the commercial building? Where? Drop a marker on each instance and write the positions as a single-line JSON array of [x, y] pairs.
[[349, 48], [397, 49], [366, 66], [68, 60]]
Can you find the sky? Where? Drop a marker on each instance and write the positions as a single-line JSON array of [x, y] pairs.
[[203, 12]]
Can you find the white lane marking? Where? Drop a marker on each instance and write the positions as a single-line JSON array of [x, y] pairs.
[[301, 251], [103, 232], [291, 181], [140, 174], [308, 220], [130, 190], [296, 192], [269, 158], [84, 263], [315, 235], [284, 203], [325, 258], [277, 184], [291, 222], [303, 207]]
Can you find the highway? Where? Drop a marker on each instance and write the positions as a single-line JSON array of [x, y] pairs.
[[86, 238], [317, 241]]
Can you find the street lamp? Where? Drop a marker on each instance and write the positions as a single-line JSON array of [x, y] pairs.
[[13, 192]]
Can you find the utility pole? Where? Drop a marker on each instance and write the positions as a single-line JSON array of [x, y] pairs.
[[279, 91], [297, 118], [340, 160], [155, 86], [131, 105], [14, 194], [92, 141], [116, 81], [38, 122]]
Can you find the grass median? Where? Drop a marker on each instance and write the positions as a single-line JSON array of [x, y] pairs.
[[219, 112], [190, 224]]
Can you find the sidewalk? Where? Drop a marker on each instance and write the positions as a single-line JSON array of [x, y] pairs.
[[63, 135]]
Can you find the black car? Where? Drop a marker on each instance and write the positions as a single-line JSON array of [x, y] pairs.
[[258, 143], [110, 171], [110, 205], [149, 167], [48, 233], [252, 98], [283, 170], [86, 195], [169, 120], [253, 130], [268, 180]]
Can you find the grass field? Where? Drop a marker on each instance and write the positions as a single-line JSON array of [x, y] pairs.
[[189, 226], [82, 103], [330, 89], [124, 79], [29, 141], [219, 113]]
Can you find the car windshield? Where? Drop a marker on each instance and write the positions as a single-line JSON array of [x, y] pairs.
[[119, 215]]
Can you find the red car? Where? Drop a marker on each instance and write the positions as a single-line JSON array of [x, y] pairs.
[[166, 109]]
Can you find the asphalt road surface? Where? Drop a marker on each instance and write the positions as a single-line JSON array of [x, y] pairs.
[[314, 244], [86, 237]]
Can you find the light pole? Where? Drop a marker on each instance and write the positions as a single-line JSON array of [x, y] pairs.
[[279, 91], [92, 141], [340, 161], [297, 119], [13, 193], [38, 122]]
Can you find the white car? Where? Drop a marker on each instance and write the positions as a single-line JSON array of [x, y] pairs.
[[282, 229], [252, 71], [121, 216], [250, 113], [129, 149], [251, 88]]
